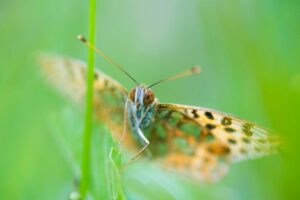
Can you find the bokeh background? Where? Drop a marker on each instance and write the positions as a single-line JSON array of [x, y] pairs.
[[249, 51]]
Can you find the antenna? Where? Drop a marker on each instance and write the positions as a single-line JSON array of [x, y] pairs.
[[194, 70], [86, 42]]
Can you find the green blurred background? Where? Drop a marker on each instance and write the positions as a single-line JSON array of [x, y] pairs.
[[249, 51]]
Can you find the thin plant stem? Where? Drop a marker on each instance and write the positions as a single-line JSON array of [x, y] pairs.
[[86, 146]]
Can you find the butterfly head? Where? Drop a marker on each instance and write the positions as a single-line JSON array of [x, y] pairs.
[[141, 96], [141, 106]]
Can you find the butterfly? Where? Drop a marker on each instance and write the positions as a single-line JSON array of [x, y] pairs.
[[196, 142]]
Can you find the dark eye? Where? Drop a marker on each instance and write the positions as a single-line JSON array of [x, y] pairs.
[[132, 94], [148, 98]]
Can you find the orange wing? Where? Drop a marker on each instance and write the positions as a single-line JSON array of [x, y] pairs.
[[201, 143]]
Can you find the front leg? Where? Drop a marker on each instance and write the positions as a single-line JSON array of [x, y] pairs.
[[145, 142]]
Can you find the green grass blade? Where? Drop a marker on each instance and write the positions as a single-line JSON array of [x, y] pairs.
[[85, 166]]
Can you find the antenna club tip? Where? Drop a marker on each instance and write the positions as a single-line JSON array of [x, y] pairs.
[[196, 69], [81, 38]]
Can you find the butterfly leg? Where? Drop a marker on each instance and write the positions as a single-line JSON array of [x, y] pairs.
[[146, 144], [140, 152]]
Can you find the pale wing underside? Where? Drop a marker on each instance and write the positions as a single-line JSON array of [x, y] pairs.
[[68, 75], [222, 139]]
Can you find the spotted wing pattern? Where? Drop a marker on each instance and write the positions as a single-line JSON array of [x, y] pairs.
[[68, 75], [195, 141], [202, 142]]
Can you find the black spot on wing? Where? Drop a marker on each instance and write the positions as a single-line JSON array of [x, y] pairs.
[[209, 115], [210, 126], [195, 114], [163, 106], [226, 121], [231, 141], [246, 128], [229, 129], [246, 140]]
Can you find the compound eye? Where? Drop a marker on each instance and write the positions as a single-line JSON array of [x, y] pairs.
[[148, 98], [132, 94]]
